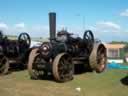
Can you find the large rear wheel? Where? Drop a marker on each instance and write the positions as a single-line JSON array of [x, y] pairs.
[[98, 58], [63, 68]]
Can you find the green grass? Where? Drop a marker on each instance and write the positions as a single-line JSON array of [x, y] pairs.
[[11, 37], [91, 84], [40, 39]]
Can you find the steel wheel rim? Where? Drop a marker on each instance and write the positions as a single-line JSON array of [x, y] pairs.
[[33, 73], [63, 69], [101, 59], [98, 58], [4, 66]]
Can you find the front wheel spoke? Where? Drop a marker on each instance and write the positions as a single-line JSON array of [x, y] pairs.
[[1, 65], [62, 62], [36, 73], [69, 66], [2, 68], [41, 72], [62, 77], [60, 68], [68, 76], [65, 76], [63, 72]]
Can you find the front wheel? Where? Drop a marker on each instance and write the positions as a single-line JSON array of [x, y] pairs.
[[4, 65], [63, 68], [31, 69]]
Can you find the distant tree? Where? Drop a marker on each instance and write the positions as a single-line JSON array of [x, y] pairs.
[[118, 42]]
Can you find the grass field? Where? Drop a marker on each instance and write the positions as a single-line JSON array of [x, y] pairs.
[[32, 38], [91, 84]]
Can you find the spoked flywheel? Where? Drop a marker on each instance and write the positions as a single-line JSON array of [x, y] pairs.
[[24, 38], [4, 65], [63, 68], [89, 39], [34, 73], [98, 58]]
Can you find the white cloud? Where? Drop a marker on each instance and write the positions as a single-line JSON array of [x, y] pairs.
[[20, 25], [109, 31], [33, 31], [124, 13], [108, 24], [36, 30], [3, 26], [106, 31]]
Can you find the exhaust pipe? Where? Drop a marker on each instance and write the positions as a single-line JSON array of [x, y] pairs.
[[52, 25]]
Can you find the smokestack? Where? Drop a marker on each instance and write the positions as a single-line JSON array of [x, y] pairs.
[[52, 25]]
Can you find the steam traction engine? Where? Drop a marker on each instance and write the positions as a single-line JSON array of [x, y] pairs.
[[13, 51], [59, 55]]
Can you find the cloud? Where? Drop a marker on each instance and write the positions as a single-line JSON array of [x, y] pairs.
[[108, 31], [36, 30], [20, 25], [33, 31], [109, 25], [3, 26], [124, 13]]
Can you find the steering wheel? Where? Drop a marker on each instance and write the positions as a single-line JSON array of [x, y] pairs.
[[89, 39], [24, 38]]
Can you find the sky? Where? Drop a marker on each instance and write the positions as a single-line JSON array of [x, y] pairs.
[[108, 19]]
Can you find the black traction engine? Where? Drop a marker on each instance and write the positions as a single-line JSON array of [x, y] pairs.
[[13, 52], [61, 53]]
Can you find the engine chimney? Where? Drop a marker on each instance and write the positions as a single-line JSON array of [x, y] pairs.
[[52, 25]]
